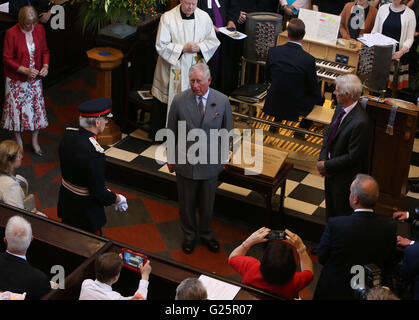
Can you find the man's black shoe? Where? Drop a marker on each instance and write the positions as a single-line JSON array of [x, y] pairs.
[[212, 244], [414, 188], [188, 246]]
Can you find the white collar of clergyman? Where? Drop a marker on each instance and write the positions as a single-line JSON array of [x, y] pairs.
[[209, 4], [16, 255]]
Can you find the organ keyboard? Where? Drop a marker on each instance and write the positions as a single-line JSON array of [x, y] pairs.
[[331, 60]]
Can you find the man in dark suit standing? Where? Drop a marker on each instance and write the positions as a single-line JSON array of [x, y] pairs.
[[16, 274], [292, 73], [344, 151], [356, 240], [198, 111]]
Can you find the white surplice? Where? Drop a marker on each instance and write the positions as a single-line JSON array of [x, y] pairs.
[[172, 70]]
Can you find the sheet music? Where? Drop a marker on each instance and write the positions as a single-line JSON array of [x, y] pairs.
[[320, 26], [4, 7], [236, 35], [377, 39], [219, 290]]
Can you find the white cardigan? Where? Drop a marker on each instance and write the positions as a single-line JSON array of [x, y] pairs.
[[408, 20], [11, 191]]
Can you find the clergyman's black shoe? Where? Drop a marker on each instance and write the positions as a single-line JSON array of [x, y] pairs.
[[188, 246], [211, 244]]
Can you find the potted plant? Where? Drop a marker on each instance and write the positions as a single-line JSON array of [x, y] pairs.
[[96, 14]]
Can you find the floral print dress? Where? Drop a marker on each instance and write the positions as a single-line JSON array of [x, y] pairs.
[[24, 106]]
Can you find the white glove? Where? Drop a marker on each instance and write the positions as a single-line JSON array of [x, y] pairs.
[[122, 205]]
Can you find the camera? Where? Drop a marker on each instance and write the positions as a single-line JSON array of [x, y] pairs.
[[372, 279], [276, 234], [415, 216], [132, 260]]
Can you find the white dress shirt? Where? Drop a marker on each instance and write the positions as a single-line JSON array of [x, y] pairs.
[[96, 290], [204, 99]]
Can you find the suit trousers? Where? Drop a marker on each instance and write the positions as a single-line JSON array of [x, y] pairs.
[[157, 117], [337, 198], [195, 194]]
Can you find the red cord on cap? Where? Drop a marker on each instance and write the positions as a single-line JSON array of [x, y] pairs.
[[95, 114]]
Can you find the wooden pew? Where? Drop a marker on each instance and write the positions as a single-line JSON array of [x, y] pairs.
[[56, 243]]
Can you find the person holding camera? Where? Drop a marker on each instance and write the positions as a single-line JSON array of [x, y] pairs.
[[108, 268], [276, 272], [357, 240]]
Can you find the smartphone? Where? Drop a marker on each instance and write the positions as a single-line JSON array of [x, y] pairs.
[[132, 260], [276, 234]]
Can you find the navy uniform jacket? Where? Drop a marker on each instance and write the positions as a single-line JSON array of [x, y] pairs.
[[82, 165], [294, 86], [18, 276]]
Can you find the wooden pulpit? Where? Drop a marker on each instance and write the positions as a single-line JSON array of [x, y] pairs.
[[391, 149], [104, 60]]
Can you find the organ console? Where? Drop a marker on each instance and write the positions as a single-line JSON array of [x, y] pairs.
[[331, 60]]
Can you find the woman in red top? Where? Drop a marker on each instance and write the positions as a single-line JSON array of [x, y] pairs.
[[25, 58], [276, 272]]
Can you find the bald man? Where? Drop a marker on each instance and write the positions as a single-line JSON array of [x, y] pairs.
[[356, 240]]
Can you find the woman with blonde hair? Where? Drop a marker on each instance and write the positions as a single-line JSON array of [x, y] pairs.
[[13, 187], [25, 58]]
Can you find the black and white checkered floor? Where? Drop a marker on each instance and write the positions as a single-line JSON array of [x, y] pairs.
[[304, 191]]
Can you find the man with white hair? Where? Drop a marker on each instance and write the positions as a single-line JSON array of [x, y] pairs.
[[191, 289], [203, 110], [16, 274], [344, 151], [83, 194]]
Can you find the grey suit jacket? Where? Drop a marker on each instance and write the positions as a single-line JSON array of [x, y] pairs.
[[183, 120]]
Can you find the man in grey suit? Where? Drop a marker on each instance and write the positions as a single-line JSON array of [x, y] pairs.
[[199, 111], [344, 151]]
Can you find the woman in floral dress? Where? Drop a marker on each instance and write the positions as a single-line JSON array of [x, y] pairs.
[[25, 58]]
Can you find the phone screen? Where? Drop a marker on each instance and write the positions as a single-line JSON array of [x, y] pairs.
[[276, 235], [132, 259]]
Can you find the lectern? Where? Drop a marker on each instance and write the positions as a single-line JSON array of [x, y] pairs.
[[393, 128], [104, 60]]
